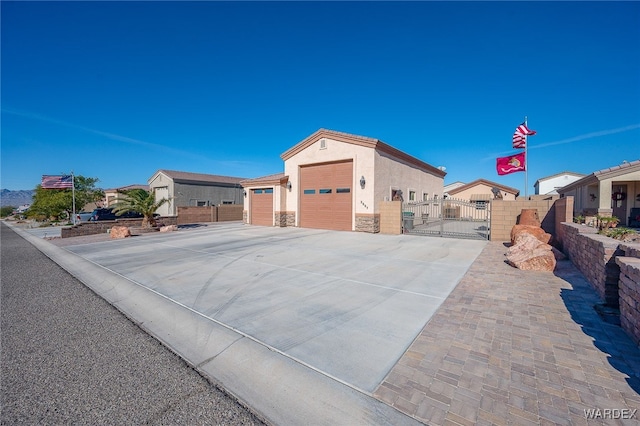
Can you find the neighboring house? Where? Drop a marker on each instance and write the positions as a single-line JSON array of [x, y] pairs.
[[452, 186], [335, 180], [184, 189], [482, 190], [111, 196], [549, 185], [612, 191]]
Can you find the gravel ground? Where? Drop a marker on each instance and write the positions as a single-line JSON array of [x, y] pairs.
[[68, 357]]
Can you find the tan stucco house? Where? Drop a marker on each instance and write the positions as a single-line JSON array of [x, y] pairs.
[[483, 190], [611, 191], [335, 180], [193, 189], [112, 195]]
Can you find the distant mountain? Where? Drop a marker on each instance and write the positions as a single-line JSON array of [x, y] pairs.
[[16, 198]]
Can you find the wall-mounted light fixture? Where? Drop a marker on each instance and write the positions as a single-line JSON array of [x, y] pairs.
[[592, 196], [362, 182], [289, 185], [244, 192]]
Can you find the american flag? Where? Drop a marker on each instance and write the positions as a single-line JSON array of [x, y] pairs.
[[57, 182], [520, 136]]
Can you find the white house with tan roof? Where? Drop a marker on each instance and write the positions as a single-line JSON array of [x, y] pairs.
[[335, 180], [193, 189], [549, 185]]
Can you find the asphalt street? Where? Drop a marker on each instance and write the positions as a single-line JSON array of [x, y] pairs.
[[69, 357]]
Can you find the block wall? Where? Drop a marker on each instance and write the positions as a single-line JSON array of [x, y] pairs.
[[630, 296], [391, 217], [101, 227], [504, 215]]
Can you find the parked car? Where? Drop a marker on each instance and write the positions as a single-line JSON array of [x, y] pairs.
[[108, 214], [83, 216]]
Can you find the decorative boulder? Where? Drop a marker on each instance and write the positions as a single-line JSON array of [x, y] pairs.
[[120, 232], [536, 231], [168, 228], [530, 254]]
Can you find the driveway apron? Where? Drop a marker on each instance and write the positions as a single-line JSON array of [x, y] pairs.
[[346, 304]]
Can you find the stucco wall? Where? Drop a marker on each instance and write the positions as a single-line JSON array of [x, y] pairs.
[[363, 165], [162, 187], [396, 174]]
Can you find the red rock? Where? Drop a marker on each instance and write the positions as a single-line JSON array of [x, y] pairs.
[[530, 254], [120, 232], [168, 228], [536, 231]]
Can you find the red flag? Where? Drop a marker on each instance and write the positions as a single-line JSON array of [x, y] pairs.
[[520, 136], [511, 164], [57, 182]]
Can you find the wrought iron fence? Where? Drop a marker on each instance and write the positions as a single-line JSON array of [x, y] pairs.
[[446, 217]]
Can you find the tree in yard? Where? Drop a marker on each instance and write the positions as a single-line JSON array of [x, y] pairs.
[[58, 203], [6, 211], [140, 201]]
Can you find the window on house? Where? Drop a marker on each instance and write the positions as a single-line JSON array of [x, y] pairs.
[[412, 195], [325, 191], [201, 203], [343, 190], [309, 191], [425, 196], [481, 205], [227, 202]]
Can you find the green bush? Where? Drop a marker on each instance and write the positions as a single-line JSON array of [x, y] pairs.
[[618, 233]]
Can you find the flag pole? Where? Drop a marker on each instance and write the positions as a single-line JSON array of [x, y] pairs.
[[526, 162], [73, 192]]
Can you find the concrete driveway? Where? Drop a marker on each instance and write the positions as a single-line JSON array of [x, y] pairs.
[[344, 306]]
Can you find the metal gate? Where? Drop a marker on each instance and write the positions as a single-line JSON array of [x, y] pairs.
[[447, 218]]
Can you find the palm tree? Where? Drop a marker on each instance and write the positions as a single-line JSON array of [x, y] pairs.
[[140, 201]]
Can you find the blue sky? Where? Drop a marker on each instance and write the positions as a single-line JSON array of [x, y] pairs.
[[118, 90]]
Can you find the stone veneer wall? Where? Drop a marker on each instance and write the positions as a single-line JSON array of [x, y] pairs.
[[285, 218], [100, 227], [368, 223], [630, 294], [594, 255]]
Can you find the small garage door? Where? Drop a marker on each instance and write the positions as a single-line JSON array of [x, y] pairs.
[[326, 196], [262, 206]]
